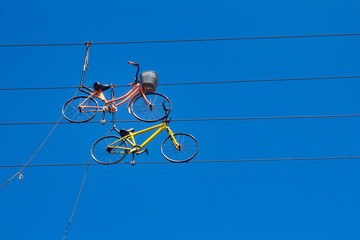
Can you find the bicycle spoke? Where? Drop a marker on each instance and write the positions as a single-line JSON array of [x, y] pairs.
[[104, 151], [142, 111], [187, 148], [72, 112]]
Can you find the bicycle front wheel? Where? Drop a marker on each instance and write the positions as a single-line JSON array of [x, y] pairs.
[[158, 109], [106, 151], [80, 109], [188, 148]]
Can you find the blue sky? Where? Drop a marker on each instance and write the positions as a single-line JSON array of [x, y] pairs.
[[245, 200]]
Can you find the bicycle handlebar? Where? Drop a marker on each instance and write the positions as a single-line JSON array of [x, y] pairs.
[[137, 72], [134, 64]]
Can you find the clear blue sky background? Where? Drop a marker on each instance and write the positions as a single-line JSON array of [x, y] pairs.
[[246, 200]]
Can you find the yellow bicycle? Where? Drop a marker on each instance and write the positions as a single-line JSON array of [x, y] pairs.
[[178, 147]]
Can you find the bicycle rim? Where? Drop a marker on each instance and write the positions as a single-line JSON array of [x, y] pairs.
[[188, 148], [104, 151], [160, 107], [80, 109]]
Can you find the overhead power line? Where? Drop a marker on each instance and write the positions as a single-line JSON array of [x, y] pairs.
[[182, 40], [192, 161], [195, 119], [199, 83], [35, 88]]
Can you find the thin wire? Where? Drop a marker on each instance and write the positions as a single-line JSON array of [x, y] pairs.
[[231, 39], [198, 83], [260, 80], [192, 161], [262, 118], [78, 197], [48, 136], [195, 119], [19, 173], [181, 40], [41, 45], [35, 88]]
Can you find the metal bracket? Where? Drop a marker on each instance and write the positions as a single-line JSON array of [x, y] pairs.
[[86, 64]]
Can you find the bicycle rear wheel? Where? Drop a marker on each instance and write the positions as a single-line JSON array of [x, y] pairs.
[[80, 109], [188, 148], [159, 108], [104, 150]]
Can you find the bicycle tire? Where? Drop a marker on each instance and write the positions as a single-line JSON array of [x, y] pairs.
[[189, 148], [142, 112], [72, 113], [102, 154]]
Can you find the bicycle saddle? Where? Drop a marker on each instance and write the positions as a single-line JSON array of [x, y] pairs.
[[98, 86], [124, 132]]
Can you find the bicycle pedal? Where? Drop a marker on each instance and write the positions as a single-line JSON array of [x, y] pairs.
[[142, 151]]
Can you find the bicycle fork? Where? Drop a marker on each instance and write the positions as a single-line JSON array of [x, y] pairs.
[[171, 134], [150, 105]]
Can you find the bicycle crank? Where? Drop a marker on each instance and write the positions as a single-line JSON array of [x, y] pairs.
[[110, 108], [138, 150], [142, 151]]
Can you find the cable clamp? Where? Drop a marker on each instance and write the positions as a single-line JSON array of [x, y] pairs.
[[88, 43]]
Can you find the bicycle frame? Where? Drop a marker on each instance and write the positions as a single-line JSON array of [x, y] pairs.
[[100, 95], [131, 140]]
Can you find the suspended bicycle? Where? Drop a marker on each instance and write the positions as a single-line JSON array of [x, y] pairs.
[[144, 104], [178, 147]]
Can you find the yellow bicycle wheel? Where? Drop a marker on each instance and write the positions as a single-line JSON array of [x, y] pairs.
[[106, 151], [188, 148]]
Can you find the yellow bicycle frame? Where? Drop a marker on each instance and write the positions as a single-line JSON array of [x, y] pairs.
[[130, 137]]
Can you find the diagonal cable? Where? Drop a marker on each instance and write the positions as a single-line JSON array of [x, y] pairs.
[[24, 166], [78, 197]]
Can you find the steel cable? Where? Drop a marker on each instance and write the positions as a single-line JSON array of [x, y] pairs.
[[78, 197], [192, 161], [194, 119], [197, 83], [182, 40]]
